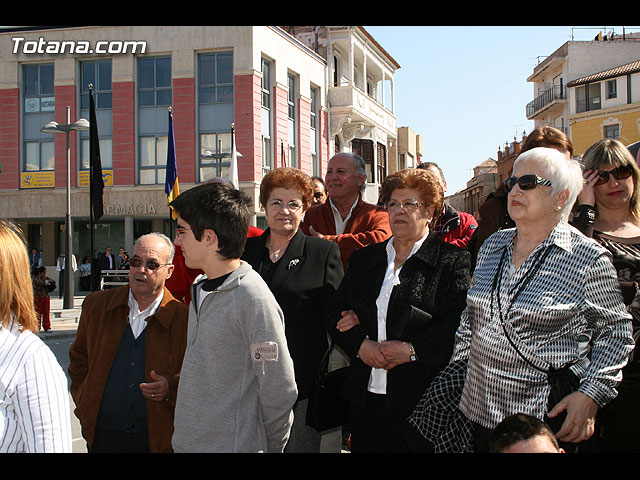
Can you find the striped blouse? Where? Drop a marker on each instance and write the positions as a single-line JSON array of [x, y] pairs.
[[34, 396], [570, 311]]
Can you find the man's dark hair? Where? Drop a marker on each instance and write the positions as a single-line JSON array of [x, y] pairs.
[[516, 428], [221, 208]]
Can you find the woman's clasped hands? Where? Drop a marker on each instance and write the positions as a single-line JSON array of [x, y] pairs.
[[385, 354]]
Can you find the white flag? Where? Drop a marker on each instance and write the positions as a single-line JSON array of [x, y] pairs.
[[233, 169]]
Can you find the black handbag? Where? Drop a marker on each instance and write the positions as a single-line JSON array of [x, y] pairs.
[[51, 286], [327, 408]]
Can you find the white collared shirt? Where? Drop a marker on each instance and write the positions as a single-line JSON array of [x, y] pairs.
[[137, 318], [339, 222], [378, 377]]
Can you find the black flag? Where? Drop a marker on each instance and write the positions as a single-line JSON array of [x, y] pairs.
[[96, 183]]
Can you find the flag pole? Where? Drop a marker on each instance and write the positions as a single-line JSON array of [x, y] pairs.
[[91, 221]]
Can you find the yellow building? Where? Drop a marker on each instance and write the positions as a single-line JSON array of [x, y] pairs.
[[606, 106]]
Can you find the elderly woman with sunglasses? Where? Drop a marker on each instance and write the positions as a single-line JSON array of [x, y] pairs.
[[544, 297], [396, 313], [302, 272], [609, 211]]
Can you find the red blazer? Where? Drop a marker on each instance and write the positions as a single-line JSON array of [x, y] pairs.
[[368, 224], [179, 284]]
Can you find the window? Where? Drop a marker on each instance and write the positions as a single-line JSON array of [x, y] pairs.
[[215, 78], [215, 155], [98, 74], [292, 104], [154, 81], [588, 97], [39, 106], [153, 159], [39, 156], [267, 147], [215, 114], [154, 98], [364, 148], [313, 134], [612, 88], [382, 162], [612, 131]]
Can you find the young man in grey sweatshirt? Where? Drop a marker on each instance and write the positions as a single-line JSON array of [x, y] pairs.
[[237, 387]]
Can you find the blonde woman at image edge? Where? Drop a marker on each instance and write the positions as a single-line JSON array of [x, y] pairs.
[[34, 398]]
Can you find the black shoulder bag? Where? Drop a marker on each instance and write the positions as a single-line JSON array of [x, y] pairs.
[[327, 408], [561, 380]]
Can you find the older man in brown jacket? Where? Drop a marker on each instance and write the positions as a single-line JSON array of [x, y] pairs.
[[126, 359]]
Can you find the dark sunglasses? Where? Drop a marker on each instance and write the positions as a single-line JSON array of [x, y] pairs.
[[152, 265], [619, 173], [526, 182]]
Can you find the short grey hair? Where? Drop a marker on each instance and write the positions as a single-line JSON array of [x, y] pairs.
[[564, 174], [164, 238], [359, 165]]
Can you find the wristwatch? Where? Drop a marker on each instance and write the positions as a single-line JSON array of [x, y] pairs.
[[412, 353], [586, 212]]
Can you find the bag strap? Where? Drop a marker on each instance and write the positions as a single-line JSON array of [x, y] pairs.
[[497, 280]]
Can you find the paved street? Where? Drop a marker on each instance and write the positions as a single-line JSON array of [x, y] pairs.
[[63, 326]]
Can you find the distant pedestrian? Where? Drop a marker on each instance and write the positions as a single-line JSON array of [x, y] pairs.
[[42, 285]]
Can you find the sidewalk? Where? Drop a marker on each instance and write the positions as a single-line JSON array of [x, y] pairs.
[[64, 322]]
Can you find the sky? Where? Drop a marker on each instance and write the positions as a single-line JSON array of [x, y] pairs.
[[464, 89]]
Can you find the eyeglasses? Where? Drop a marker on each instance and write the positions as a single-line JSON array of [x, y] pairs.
[[526, 182], [406, 206], [292, 206], [619, 173], [152, 265]]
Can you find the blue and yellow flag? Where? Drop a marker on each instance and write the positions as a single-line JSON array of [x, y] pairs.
[[171, 187]]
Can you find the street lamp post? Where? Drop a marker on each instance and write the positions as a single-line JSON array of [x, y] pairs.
[[55, 127]]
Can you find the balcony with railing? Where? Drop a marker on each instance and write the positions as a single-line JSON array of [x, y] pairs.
[[553, 94]]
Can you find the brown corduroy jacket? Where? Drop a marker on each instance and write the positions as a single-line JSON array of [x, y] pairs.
[[105, 315]]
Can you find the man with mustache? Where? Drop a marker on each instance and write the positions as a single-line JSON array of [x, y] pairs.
[[126, 359]]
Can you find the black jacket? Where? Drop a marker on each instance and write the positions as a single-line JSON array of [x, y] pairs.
[[424, 309], [302, 281]]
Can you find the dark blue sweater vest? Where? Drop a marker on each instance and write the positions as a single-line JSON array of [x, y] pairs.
[[123, 407]]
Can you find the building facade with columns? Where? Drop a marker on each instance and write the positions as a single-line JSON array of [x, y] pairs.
[[261, 79]]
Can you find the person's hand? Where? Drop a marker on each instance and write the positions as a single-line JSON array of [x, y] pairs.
[[312, 232], [157, 390], [587, 196], [370, 353], [581, 417], [348, 321], [396, 352]]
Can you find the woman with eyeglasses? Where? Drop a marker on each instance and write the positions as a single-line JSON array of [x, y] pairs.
[[544, 297], [396, 313], [609, 211], [303, 273]]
